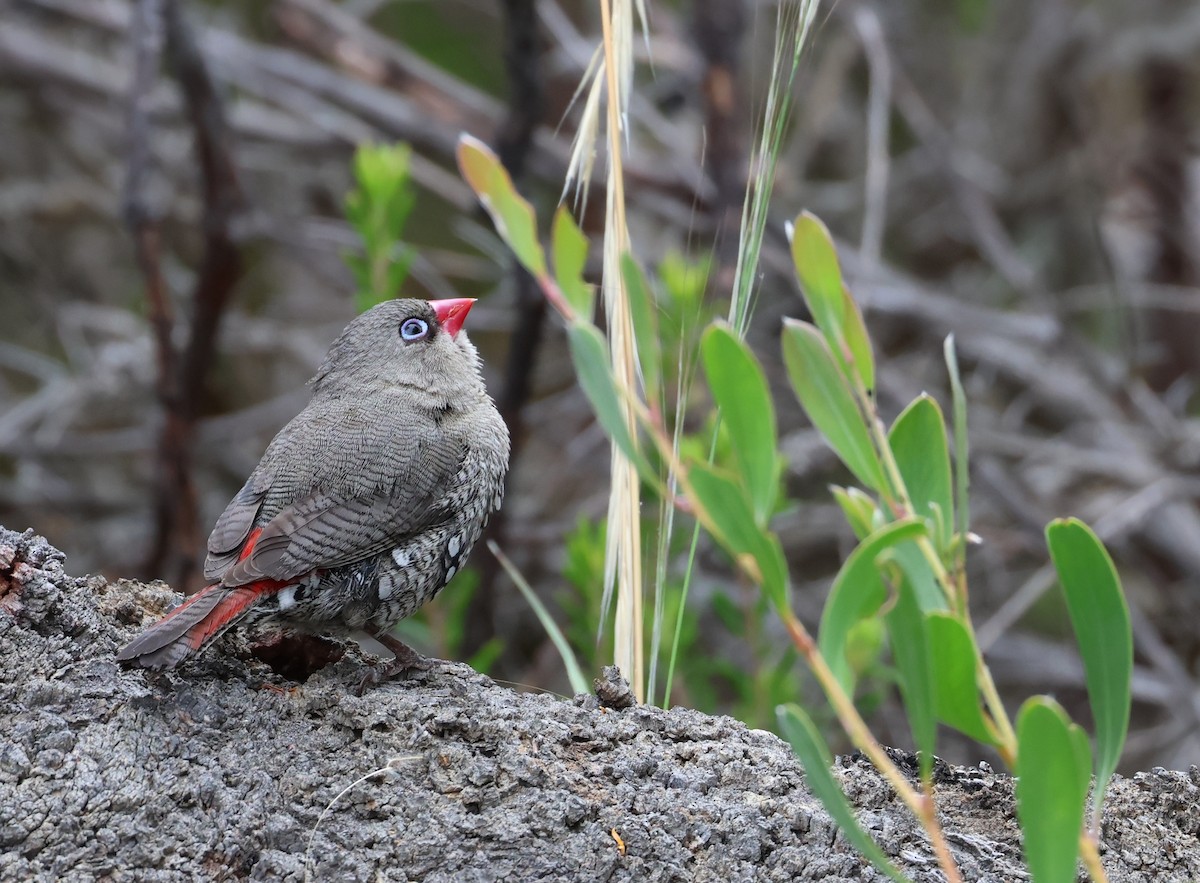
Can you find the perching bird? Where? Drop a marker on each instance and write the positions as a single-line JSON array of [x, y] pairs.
[[366, 504]]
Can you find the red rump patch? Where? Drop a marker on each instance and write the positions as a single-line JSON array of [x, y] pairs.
[[232, 606], [225, 612]]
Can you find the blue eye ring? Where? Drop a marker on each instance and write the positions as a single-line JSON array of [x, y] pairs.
[[412, 329]]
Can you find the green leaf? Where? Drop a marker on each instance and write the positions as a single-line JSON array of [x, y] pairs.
[[829, 402], [954, 666], [590, 357], [570, 249], [833, 309], [918, 441], [814, 755], [1100, 619], [511, 213], [911, 653], [740, 390], [927, 589], [1053, 772], [816, 262], [724, 509], [860, 510], [858, 342], [644, 317], [858, 593], [574, 673]]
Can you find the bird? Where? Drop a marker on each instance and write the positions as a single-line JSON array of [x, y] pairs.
[[365, 505]]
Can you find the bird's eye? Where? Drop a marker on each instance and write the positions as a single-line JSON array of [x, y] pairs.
[[414, 329]]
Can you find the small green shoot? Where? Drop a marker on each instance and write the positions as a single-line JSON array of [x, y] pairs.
[[1054, 769], [860, 510], [378, 209], [1100, 619], [962, 474]]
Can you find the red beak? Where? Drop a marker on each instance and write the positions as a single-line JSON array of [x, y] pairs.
[[452, 313]]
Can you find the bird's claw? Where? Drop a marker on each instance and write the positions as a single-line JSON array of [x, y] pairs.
[[407, 660]]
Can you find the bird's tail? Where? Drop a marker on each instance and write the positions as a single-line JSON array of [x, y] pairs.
[[190, 627]]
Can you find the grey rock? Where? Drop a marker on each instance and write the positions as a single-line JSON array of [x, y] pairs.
[[225, 771]]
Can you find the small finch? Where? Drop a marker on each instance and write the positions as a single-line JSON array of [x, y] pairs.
[[366, 504]]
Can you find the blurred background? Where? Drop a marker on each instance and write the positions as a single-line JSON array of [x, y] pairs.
[[1024, 174]]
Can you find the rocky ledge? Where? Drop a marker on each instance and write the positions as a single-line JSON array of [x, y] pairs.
[[226, 770]]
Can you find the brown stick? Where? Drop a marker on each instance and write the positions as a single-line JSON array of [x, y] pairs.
[[514, 140], [181, 376], [174, 496], [223, 203], [146, 35]]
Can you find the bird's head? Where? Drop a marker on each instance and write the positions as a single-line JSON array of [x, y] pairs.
[[408, 343]]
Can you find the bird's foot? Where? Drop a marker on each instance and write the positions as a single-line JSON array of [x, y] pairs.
[[407, 660]]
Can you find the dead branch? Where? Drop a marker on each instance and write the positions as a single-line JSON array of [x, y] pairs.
[[181, 375]]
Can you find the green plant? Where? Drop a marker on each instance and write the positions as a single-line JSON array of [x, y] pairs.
[[750, 687], [580, 600], [652, 324], [917, 542], [906, 579], [378, 209]]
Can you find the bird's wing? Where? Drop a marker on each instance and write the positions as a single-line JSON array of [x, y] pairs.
[[229, 534], [351, 517], [320, 533]]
